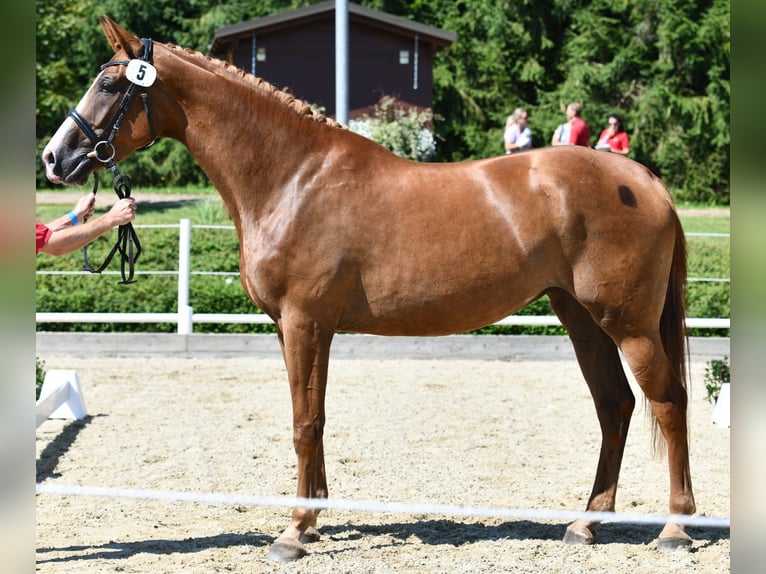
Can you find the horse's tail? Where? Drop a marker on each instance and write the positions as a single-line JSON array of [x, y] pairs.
[[673, 319]]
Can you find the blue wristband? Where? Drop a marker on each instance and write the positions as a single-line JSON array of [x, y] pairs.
[[73, 217]]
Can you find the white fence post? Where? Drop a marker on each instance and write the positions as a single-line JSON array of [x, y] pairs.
[[185, 322]]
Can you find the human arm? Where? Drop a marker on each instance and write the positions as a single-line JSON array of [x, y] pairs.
[[82, 210], [509, 137], [603, 143], [522, 141], [73, 237], [620, 144], [525, 140], [562, 135]]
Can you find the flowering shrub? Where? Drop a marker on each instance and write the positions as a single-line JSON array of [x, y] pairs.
[[403, 131]]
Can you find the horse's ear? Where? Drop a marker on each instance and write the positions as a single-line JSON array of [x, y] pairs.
[[119, 38]]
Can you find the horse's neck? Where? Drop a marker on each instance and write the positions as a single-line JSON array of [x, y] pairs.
[[248, 143]]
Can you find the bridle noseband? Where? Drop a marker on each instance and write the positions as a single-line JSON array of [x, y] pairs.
[[103, 150]]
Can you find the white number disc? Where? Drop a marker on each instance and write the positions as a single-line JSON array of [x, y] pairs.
[[141, 73]]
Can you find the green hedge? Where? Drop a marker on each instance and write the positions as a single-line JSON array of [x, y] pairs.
[[217, 250]]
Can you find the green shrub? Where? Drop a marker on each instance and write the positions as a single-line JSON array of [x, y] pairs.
[[39, 376], [716, 374], [708, 257]]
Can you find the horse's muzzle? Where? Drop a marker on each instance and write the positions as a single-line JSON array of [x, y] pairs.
[[72, 172]]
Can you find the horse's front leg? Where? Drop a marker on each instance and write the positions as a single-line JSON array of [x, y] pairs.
[[306, 350]]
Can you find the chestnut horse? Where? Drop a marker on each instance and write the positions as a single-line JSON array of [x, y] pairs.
[[337, 233]]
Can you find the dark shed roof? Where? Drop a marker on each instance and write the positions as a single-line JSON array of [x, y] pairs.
[[396, 24]]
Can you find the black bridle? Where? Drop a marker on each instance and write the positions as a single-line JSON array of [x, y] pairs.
[[127, 243]]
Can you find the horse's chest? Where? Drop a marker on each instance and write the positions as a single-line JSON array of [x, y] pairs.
[[272, 269], [263, 277]]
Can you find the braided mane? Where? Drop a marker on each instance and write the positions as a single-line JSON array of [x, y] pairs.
[[298, 106]]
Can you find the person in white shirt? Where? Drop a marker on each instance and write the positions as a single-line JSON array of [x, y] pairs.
[[517, 136], [561, 135]]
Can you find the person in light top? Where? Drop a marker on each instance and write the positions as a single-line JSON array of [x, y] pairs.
[[517, 136]]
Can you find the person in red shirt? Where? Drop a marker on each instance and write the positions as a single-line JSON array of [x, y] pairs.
[[614, 138], [579, 132], [73, 231]]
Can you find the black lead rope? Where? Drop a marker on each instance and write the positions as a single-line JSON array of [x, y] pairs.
[[127, 245]]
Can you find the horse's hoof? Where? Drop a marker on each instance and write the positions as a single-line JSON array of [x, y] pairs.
[[310, 535], [673, 544], [281, 552], [579, 537]]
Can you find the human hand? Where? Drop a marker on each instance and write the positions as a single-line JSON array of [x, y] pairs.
[[124, 211], [85, 206]]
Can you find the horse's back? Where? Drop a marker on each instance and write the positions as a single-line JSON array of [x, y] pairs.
[[584, 180]]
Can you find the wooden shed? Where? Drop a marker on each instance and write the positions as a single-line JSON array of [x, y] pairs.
[[388, 55]]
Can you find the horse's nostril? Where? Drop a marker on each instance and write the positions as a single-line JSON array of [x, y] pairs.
[[52, 171]]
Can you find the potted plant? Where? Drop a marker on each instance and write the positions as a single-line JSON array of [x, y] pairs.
[[717, 383]]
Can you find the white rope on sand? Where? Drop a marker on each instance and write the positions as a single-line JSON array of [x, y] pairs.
[[378, 507]]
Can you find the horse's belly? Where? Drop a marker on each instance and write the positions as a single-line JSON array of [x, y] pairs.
[[438, 309]]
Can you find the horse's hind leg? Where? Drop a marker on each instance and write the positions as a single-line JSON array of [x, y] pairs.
[[668, 399], [601, 366]]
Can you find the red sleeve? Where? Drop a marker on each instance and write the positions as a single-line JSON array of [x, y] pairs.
[[43, 234]]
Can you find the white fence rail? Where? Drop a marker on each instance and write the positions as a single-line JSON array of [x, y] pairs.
[[185, 317]]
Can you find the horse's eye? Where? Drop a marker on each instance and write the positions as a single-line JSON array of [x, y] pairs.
[[108, 84]]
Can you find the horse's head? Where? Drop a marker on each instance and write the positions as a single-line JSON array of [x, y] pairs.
[[113, 119]]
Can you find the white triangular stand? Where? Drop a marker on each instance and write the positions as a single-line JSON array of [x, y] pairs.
[[722, 409], [60, 397]]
